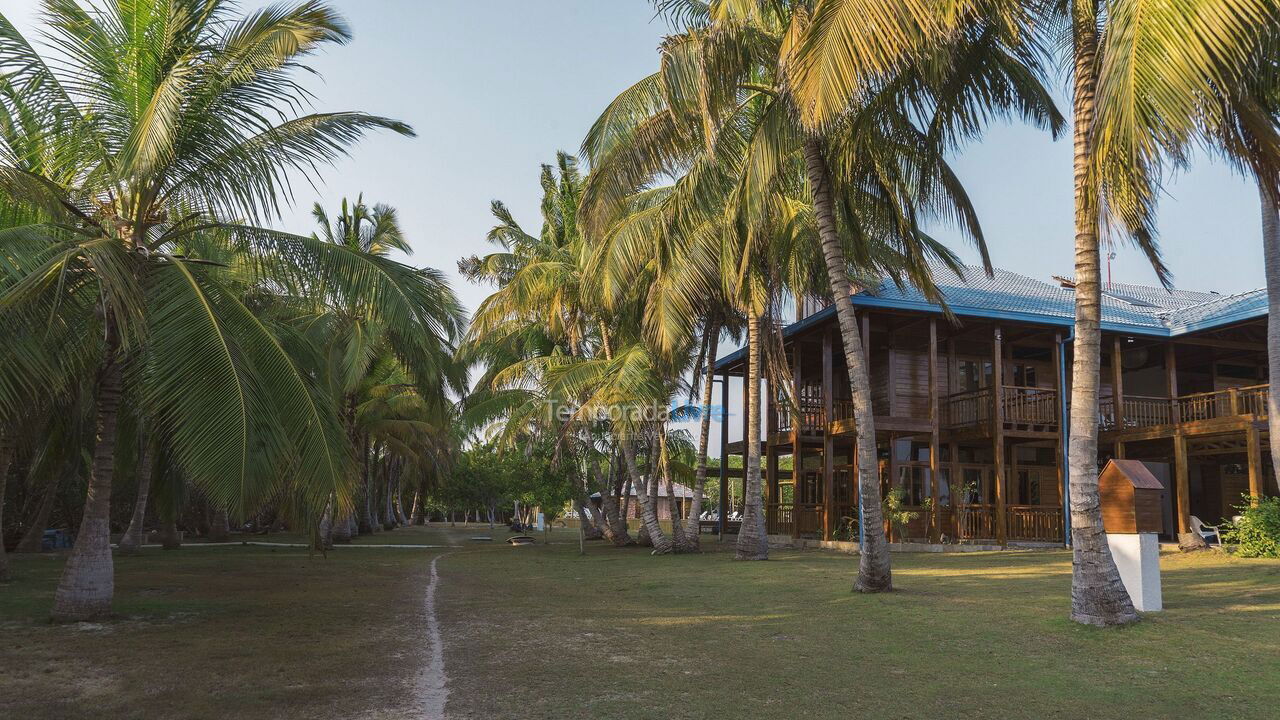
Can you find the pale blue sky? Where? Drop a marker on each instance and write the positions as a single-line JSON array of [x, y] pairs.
[[495, 87]]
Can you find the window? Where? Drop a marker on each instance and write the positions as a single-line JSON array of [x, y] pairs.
[[1024, 375], [973, 375]]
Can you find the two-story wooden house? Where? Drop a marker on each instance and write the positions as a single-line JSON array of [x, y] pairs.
[[969, 414]]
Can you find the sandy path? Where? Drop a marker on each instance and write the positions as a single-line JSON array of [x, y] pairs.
[[433, 687]]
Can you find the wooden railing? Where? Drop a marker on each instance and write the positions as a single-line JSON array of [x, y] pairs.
[[1034, 522], [1250, 400], [813, 419], [842, 409], [794, 519], [1029, 405], [1019, 405], [779, 519], [967, 408], [1141, 411], [974, 521]]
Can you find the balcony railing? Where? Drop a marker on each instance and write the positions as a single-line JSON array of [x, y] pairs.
[[1143, 411], [1019, 406], [813, 419]]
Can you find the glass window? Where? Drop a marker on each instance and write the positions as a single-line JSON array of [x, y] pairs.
[[1024, 375]]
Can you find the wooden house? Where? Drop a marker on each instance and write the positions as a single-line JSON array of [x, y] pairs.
[[969, 411]]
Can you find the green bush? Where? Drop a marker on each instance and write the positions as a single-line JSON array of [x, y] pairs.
[[1257, 532]]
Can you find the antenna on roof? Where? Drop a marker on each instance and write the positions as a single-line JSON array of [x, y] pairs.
[[1110, 256]]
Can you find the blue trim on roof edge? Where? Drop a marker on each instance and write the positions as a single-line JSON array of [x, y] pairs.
[[879, 302]]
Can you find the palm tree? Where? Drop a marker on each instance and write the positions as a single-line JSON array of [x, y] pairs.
[[1245, 131], [723, 77], [166, 159], [1144, 76], [364, 350]]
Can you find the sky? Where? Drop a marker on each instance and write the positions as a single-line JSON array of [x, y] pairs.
[[495, 87]]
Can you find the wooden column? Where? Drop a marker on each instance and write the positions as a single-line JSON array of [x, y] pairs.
[[1183, 482], [797, 451], [1254, 444], [1062, 421], [724, 452], [1117, 392], [997, 432], [770, 450], [1171, 382], [828, 442], [747, 379], [935, 433]]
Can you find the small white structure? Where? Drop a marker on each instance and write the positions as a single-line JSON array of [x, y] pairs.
[[1137, 557], [1132, 517]]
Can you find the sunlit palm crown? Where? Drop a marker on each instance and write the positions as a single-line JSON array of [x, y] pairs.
[[154, 137]]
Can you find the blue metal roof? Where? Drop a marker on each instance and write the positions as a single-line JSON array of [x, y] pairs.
[[1005, 295]]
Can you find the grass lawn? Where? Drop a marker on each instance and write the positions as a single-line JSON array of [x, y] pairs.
[[541, 632]]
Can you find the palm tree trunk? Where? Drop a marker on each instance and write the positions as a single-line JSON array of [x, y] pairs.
[[366, 524], [753, 537], [1098, 596], [693, 530], [874, 569], [131, 541], [1271, 262], [170, 537], [614, 524], [415, 511], [34, 536], [648, 509], [389, 516], [677, 527], [220, 528], [6, 456], [88, 580]]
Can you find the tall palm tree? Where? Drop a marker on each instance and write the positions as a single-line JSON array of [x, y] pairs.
[[1144, 75], [1246, 130], [166, 158], [870, 181]]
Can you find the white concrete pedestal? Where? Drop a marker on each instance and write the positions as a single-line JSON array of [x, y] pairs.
[[1137, 557]]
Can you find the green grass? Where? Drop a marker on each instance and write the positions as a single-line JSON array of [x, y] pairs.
[[221, 632], [620, 634], [540, 632]]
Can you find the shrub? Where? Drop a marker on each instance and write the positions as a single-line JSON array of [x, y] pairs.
[[1257, 532]]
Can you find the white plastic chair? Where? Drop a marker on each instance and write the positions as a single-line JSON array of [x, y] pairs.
[[1205, 531]]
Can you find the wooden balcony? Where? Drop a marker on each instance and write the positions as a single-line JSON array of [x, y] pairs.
[[1028, 407], [1139, 413]]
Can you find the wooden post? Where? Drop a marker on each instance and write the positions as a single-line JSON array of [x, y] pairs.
[[1183, 482], [828, 442], [1171, 382], [1254, 444], [1059, 378], [997, 432], [935, 522], [797, 452], [724, 453], [892, 389], [957, 478], [1117, 392]]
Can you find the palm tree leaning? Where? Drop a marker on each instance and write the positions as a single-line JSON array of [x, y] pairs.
[[1144, 76], [141, 252]]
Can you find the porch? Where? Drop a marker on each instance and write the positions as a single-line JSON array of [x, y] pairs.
[[963, 523]]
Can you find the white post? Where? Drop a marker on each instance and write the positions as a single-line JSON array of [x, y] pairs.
[[1137, 557]]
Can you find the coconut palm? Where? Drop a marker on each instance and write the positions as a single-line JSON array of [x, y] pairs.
[[1144, 77], [165, 160], [1245, 131], [863, 188]]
